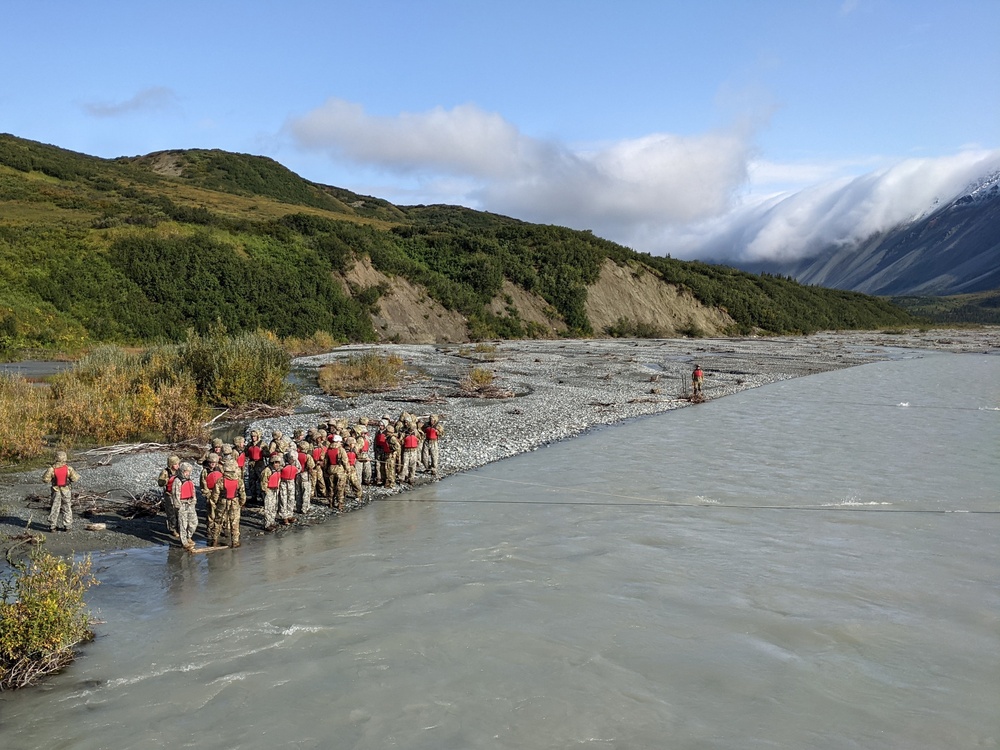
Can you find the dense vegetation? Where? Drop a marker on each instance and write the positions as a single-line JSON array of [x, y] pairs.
[[148, 248], [981, 308]]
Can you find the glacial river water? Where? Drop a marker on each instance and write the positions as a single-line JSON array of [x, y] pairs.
[[812, 564]]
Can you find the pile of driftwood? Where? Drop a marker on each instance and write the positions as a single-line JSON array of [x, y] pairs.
[[105, 454], [88, 504]]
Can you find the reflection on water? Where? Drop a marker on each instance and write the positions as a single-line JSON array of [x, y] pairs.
[[771, 569]]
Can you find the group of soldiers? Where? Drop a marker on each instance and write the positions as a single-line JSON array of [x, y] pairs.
[[288, 474]]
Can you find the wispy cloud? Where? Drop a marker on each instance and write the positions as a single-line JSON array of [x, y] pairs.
[[153, 99], [800, 224], [704, 196]]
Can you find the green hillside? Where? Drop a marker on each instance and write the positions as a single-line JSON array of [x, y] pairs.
[[140, 249]]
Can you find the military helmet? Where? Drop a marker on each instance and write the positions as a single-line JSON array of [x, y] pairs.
[[174, 461], [61, 457], [213, 458], [216, 442]]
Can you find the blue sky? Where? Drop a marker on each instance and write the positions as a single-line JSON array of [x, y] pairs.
[[752, 127]]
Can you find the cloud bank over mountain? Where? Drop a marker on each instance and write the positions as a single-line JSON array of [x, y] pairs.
[[690, 196]]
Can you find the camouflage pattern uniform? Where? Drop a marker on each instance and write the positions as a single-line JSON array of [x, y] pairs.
[[433, 431], [286, 489], [166, 480], [411, 454], [336, 465], [255, 463], [185, 497], [365, 469], [306, 477], [60, 477], [230, 495], [210, 476], [270, 481], [388, 465], [353, 479]]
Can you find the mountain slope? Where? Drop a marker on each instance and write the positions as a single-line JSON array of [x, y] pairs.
[[147, 248], [954, 250]]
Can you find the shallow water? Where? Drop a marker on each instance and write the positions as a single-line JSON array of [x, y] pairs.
[[809, 564]]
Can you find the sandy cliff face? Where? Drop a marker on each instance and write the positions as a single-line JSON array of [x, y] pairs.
[[406, 314], [638, 295]]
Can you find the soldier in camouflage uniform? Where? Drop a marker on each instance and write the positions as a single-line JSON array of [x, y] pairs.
[[230, 495], [210, 476], [286, 489], [336, 464], [411, 454], [270, 482], [166, 481], [388, 465], [432, 431], [60, 477], [185, 496], [306, 477], [364, 452], [256, 460], [351, 446]]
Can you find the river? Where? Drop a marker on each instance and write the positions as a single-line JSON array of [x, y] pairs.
[[811, 564]]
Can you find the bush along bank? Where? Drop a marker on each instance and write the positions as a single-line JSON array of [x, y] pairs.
[[43, 617]]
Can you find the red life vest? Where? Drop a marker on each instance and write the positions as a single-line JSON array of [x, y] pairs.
[[303, 457], [254, 451], [241, 460], [170, 483], [352, 457], [698, 374], [187, 490], [274, 480], [432, 433], [317, 454], [288, 471], [60, 474], [230, 487], [411, 441], [331, 455], [365, 445], [382, 442], [212, 478]]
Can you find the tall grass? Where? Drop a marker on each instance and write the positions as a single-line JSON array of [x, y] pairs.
[[24, 418], [113, 395], [366, 373]]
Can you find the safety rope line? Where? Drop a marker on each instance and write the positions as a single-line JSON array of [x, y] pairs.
[[640, 502]]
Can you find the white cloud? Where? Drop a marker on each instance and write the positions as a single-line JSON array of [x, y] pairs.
[[659, 177], [690, 196], [800, 224], [155, 99]]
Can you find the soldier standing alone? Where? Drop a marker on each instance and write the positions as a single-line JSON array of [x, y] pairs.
[[60, 476]]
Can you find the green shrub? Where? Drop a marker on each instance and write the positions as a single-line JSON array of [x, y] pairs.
[[42, 617], [242, 369]]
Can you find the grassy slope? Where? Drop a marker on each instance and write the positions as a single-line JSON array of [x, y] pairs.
[[144, 248]]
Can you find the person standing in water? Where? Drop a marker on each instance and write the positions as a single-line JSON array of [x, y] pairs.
[[697, 379]]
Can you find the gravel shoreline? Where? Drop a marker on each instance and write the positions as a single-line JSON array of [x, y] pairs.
[[561, 389]]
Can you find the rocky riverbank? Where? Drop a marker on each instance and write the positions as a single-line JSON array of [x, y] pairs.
[[554, 390]]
